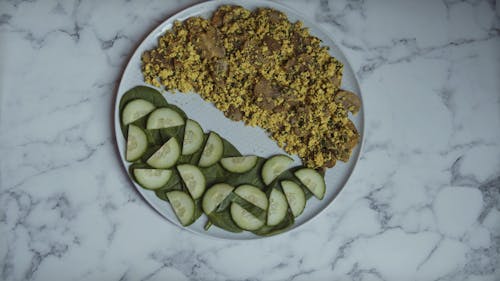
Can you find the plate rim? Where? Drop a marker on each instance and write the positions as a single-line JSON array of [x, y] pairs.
[[211, 5]]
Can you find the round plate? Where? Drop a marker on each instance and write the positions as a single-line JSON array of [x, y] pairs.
[[249, 140]]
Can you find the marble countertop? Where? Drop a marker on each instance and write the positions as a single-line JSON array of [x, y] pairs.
[[422, 204]]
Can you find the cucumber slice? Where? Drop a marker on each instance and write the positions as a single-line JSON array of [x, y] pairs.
[[164, 118], [239, 164], [193, 178], [242, 217], [295, 196], [183, 206], [313, 181], [193, 137], [136, 109], [152, 178], [212, 152], [274, 166], [214, 196], [166, 156], [137, 143], [277, 207]]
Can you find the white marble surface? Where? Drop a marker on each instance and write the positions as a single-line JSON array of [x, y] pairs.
[[423, 203]]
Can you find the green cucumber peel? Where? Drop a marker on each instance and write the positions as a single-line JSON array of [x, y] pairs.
[[140, 92], [267, 230], [251, 177]]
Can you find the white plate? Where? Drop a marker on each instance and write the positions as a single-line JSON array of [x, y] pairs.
[[247, 139]]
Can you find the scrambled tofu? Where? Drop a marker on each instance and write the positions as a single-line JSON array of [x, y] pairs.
[[258, 67]]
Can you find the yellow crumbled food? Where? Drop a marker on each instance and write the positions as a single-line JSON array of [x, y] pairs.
[[258, 67]]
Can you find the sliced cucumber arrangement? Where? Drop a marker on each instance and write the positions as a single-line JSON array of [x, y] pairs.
[[214, 196], [313, 181], [278, 207], [136, 109], [193, 178], [213, 150], [239, 164], [198, 173], [274, 166], [137, 143], [164, 118], [295, 197], [193, 137], [166, 156], [183, 206], [152, 178], [241, 216]]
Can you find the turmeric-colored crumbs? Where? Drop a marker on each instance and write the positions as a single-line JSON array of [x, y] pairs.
[[258, 67]]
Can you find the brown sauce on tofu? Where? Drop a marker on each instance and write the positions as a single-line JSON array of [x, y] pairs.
[[260, 68]]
